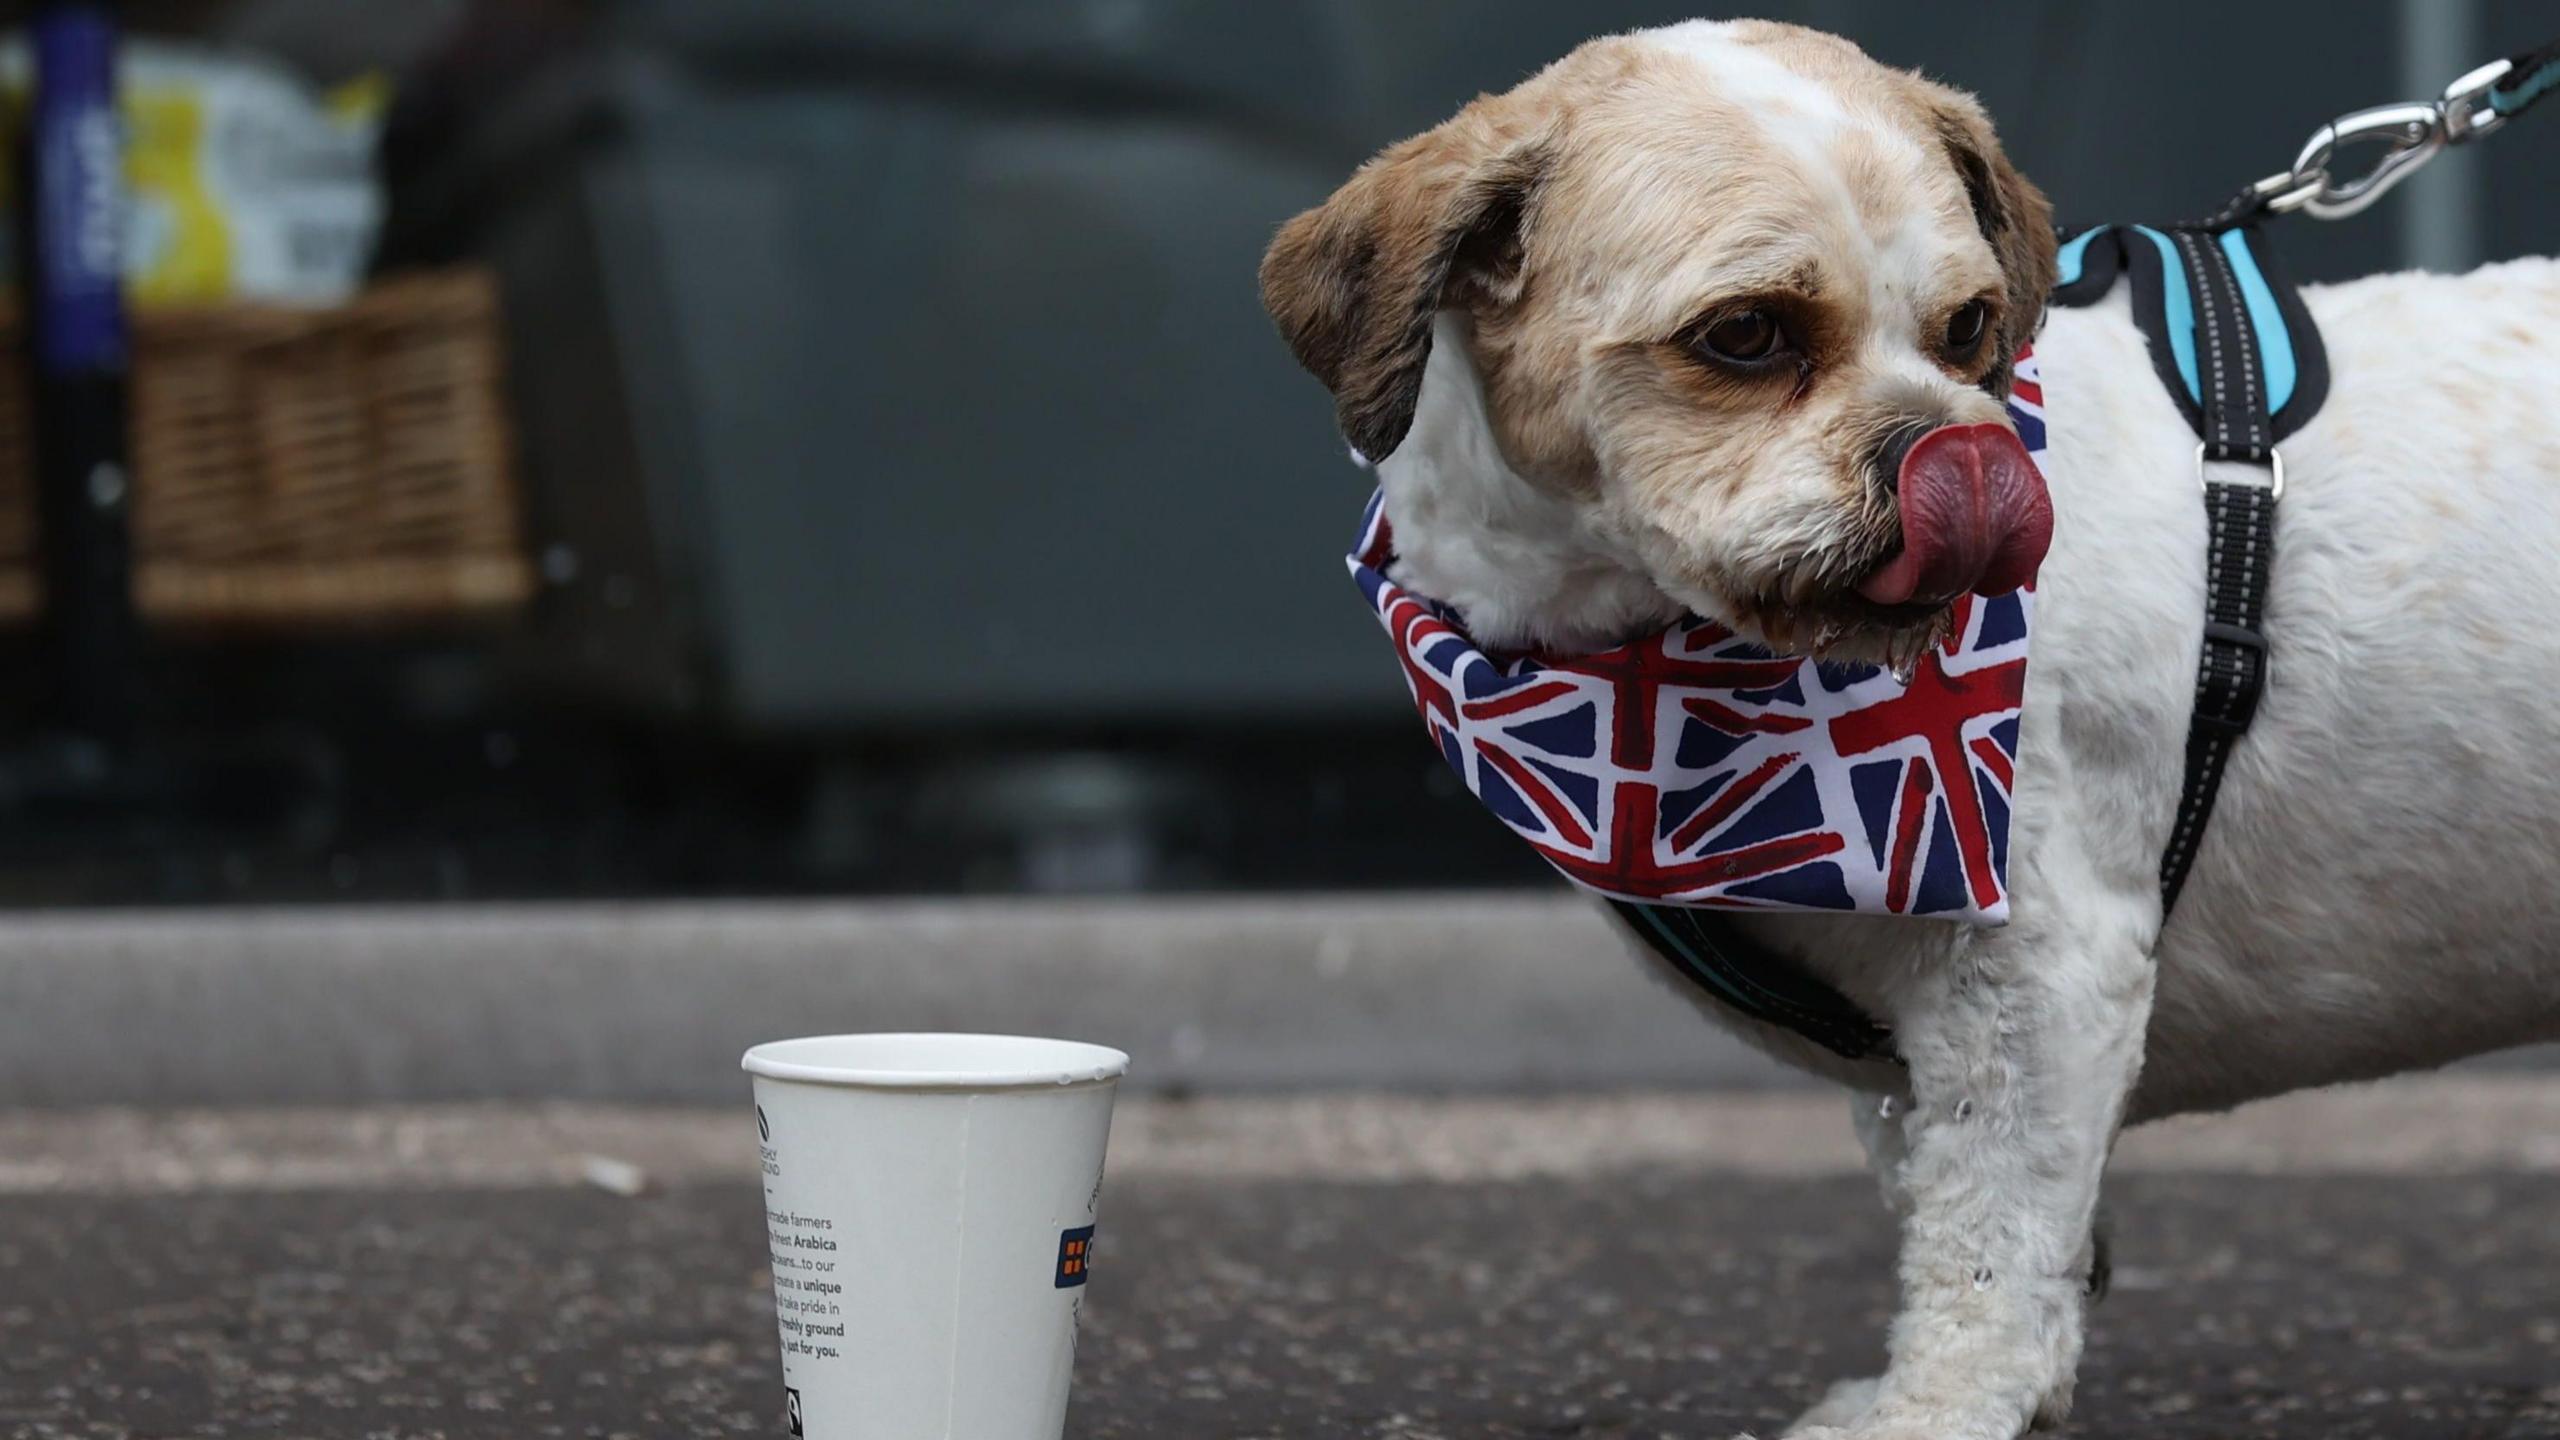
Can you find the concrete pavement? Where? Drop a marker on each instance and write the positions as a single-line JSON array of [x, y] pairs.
[[2365, 1263]]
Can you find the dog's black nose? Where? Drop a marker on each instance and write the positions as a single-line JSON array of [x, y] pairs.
[[1886, 463]]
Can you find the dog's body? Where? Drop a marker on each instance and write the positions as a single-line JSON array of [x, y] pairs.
[[2379, 888], [2375, 892]]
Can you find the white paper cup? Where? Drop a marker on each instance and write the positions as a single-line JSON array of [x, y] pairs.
[[931, 1201]]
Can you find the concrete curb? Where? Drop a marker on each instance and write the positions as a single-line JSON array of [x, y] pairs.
[[2428, 1125], [654, 1003]]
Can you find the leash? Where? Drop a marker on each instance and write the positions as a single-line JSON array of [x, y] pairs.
[[2238, 352]]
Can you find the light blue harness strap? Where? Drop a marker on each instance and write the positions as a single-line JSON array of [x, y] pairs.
[[2169, 262], [2177, 301], [2275, 343], [2073, 258]]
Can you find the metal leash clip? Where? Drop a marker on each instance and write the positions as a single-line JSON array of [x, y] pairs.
[[2412, 133]]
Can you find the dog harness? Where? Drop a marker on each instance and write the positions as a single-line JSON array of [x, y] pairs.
[[1694, 774], [2231, 341]]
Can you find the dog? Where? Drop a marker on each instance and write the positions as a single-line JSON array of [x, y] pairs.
[[1648, 336]]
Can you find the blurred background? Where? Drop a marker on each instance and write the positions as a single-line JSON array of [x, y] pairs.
[[618, 448], [543, 542]]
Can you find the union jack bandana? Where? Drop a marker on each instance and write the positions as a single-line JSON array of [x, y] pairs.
[[1698, 769]]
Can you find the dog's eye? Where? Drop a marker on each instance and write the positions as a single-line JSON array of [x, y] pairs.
[[1965, 327], [1749, 336]]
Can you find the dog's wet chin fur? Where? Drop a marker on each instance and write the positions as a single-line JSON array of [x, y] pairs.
[[1595, 458]]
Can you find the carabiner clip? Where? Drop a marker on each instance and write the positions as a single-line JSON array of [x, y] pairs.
[[2413, 134]]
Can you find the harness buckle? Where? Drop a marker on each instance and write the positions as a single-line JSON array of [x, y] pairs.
[[2275, 469], [2235, 723]]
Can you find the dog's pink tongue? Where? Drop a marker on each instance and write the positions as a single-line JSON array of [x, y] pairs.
[[1975, 517]]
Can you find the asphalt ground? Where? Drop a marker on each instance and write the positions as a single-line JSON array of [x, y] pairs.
[[2363, 1263]]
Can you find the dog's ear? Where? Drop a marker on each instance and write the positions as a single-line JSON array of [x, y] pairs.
[[2014, 215], [1433, 222]]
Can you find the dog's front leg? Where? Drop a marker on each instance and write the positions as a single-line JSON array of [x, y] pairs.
[[2022, 1051]]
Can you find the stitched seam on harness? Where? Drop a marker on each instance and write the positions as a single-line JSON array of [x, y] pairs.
[[2230, 280], [2213, 340]]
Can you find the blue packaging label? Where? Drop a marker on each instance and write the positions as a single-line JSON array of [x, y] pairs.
[[79, 202]]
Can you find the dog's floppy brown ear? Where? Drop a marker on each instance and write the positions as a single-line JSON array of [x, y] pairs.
[[2014, 216], [1435, 221]]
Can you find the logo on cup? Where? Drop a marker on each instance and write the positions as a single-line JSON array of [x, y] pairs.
[[791, 1409], [1075, 1257], [764, 1127]]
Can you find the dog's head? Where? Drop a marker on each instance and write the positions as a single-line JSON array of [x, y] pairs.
[[1745, 294]]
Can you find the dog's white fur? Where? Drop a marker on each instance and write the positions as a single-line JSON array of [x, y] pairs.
[[2376, 890]]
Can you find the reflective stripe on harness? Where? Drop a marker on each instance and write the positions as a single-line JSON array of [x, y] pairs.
[[2237, 351]]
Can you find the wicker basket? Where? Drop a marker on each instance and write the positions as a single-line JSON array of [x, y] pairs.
[[297, 468]]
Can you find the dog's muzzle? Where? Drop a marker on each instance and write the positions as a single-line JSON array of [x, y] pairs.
[[1975, 518]]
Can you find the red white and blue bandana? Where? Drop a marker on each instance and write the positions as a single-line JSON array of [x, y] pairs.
[[1697, 769]]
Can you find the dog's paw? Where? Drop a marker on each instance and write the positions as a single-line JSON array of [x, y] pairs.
[[1843, 1404]]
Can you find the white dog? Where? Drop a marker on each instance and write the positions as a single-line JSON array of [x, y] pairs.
[[1634, 339]]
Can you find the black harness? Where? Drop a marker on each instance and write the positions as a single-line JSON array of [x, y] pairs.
[[2235, 348], [2231, 341]]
